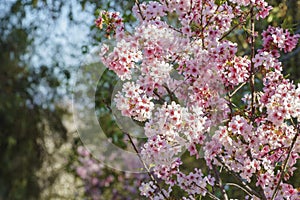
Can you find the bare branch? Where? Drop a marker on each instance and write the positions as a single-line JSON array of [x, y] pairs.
[[237, 89], [219, 181], [238, 186], [140, 10]]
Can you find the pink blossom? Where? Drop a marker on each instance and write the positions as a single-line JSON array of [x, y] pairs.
[[276, 39], [184, 82]]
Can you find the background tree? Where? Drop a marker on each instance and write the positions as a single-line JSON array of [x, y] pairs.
[[26, 114]]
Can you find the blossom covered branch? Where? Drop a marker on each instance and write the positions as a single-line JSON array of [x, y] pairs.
[[178, 76]]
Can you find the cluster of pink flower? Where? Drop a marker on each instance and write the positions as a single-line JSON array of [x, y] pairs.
[[267, 61], [194, 182], [281, 98], [90, 171], [255, 151], [133, 102], [236, 71], [122, 59], [275, 39], [97, 178], [189, 71], [152, 11], [262, 7], [149, 190]]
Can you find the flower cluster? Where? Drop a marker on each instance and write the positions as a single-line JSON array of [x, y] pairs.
[[122, 60], [151, 11], [267, 61], [262, 6], [182, 80], [236, 71], [98, 179], [150, 190], [281, 98], [89, 171], [275, 39], [133, 102], [147, 189], [112, 21], [194, 182]]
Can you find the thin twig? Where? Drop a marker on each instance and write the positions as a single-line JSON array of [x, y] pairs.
[[208, 21], [285, 163], [140, 10], [226, 34], [208, 192], [201, 24], [189, 76], [237, 89], [171, 94], [273, 150], [147, 169], [252, 74], [160, 99], [219, 181], [142, 161], [230, 104], [233, 28], [237, 177], [236, 185]]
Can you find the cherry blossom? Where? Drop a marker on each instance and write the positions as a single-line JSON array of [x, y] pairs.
[[182, 81], [133, 102], [275, 39]]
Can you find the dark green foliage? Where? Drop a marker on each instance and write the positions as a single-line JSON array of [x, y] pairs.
[[25, 115]]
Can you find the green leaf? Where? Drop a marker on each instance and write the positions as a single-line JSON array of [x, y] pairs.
[[220, 2]]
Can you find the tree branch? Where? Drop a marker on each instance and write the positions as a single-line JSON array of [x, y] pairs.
[[141, 159], [252, 74], [237, 89], [137, 2], [238, 186], [208, 192], [219, 181], [284, 167], [146, 167], [238, 178]]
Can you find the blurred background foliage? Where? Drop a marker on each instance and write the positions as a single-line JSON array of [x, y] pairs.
[[36, 70]]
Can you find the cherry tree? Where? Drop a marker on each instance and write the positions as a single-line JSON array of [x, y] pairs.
[[182, 79]]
